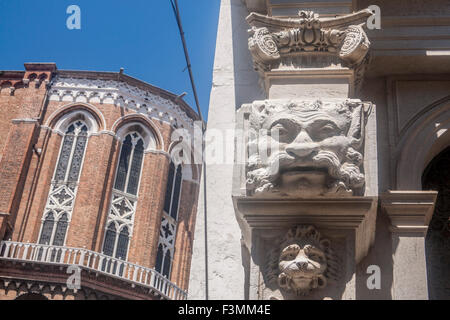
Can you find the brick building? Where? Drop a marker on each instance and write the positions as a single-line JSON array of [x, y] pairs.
[[87, 179]]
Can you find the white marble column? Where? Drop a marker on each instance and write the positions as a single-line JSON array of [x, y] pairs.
[[410, 213]]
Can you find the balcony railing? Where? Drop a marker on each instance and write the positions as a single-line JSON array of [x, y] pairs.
[[94, 261]]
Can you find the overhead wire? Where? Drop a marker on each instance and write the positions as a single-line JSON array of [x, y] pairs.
[[176, 11]]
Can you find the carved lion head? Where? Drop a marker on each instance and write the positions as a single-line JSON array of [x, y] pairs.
[[305, 148], [302, 261]]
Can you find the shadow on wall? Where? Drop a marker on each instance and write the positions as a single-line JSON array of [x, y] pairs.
[[437, 242], [31, 296], [379, 255], [247, 88]]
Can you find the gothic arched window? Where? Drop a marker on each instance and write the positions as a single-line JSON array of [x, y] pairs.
[[63, 190], [169, 222], [124, 198], [159, 258], [130, 162], [173, 190], [110, 239]]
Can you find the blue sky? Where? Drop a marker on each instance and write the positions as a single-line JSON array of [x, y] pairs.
[[138, 35]]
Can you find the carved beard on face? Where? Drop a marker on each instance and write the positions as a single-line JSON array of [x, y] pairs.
[[314, 155]]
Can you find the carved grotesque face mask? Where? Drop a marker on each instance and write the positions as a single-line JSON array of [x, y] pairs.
[[302, 261], [302, 268], [311, 150]]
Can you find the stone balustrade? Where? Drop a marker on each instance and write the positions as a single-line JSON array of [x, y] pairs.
[[92, 261]]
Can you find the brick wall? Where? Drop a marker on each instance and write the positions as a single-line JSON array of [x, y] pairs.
[[30, 149]]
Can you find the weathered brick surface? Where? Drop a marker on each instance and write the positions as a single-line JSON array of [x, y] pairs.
[[148, 214], [84, 227], [2, 226], [14, 166], [184, 238], [37, 187], [28, 159]]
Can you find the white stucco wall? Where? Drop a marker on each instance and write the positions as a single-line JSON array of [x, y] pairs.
[[234, 83]]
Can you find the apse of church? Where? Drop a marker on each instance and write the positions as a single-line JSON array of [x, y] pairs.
[[93, 204]]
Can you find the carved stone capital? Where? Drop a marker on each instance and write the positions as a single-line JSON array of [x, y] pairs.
[[309, 42], [409, 211]]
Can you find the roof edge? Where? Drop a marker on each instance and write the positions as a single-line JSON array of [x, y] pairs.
[[119, 76]]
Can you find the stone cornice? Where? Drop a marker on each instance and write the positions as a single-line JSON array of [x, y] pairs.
[[273, 23], [121, 94], [49, 67], [25, 120], [338, 213], [409, 211], [121, 77]]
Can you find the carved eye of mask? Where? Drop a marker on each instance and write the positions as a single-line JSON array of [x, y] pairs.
[[290, 253], [314, 254], [281, 132], [321, 130]]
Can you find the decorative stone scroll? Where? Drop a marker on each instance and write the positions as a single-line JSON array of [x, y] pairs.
[[302, 261], [305, 148], [271, 38]]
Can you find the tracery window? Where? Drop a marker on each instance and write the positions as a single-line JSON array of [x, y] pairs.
[[167, 233], [124, 198], [61, 199]]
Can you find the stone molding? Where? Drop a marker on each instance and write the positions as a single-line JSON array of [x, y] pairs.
[[409, 211], [26, 121]]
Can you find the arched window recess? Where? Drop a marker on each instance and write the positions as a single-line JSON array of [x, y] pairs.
[[169, 222], [63, 189], [120, 222]]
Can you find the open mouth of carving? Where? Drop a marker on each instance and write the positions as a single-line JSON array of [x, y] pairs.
[[303, 278], [304, 170]]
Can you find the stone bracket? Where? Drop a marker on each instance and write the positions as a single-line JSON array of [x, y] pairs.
[[357, 214]]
